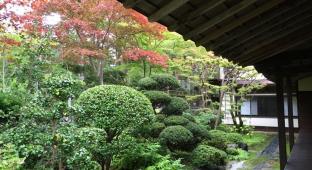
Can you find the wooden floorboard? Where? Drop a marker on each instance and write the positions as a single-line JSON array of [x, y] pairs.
[[301, 155]]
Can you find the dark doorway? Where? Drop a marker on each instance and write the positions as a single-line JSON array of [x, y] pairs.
[[305, 109]]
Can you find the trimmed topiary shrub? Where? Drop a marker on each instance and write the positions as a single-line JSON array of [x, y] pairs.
[[158, 98], [176, 120], [220, 139], [205, 156], [114, 76], [200, 132], [217, 139], [147, 83], [224, 128], [160, 117], [113, 107], [166, 81], [176, 106], [234, 138], [176, 138], [156, 128], [189, 116]]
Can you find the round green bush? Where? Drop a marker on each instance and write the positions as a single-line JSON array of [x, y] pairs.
[[114, 76], [176, 138], [176, 106], [217, 139], [189, 116], [208, 157], [234, 138], [113, 107], [160, 117], [224, 128], [147, 83], [166, 81], [156, 128], [200, 132], [176, 120], [158, 98]]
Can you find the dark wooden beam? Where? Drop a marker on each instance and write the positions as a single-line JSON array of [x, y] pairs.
[[281, 119], [272, 18], [275, 25], [280, 46], [131, 3], [257, 46], [215, 34], [290, 113], [219, 18], [189, 16], [167, 9]]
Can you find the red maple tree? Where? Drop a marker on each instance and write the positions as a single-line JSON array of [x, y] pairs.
[[153, 58], [90, 29]]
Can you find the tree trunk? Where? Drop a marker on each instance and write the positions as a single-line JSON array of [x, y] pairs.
[[150, 70], [3, 74], [220, 109], [54, 147], [144, 68], [239, 115], [108, 164], [101, 72], [232, 101]]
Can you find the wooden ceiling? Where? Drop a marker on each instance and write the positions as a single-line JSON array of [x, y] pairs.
[[250, 32]]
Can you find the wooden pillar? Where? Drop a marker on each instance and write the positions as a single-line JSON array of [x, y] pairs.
[[298, 104], [281, 120], [290, 114]]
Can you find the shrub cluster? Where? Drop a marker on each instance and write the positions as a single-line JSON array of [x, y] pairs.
[[208, 157], [114, 76], [176, 138], [166, 81], [176, 120], [147, 83], [200, 132], [176, 106], [158, 98], [159, 82], [220, 139], [156, 128], [189, 116]]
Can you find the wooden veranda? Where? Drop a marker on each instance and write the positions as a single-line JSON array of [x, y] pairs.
[[273, 35]]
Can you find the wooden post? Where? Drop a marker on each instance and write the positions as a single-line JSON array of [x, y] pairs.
[[290, 114], [281, 119], [298, 104]]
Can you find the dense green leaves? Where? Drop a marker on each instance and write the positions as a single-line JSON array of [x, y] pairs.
[[113, 107], [176, 106], [166, 81], [177, 137], [208, 157], [147, 83]]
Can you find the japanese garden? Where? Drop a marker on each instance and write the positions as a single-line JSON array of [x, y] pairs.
[[90, 84]]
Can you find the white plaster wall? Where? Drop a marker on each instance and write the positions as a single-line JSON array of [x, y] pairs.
[[263, 122]]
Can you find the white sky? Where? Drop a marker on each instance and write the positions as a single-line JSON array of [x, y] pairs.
[[51, 19]]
